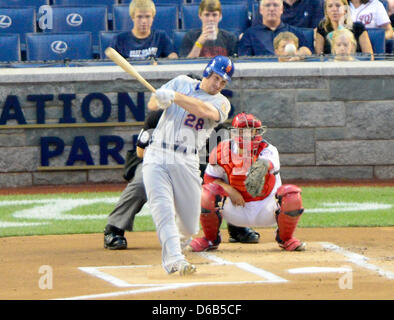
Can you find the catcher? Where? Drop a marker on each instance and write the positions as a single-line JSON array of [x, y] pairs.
[[242, 183]]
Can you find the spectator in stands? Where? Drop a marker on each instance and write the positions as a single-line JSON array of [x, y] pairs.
[[286, 47], [343, 45], [391, 12], [372, 14], [337, 16], [259, 39], [209, 41], [302, 13], [143, 42]]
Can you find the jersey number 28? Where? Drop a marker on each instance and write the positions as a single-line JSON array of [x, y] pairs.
[[191, 122]]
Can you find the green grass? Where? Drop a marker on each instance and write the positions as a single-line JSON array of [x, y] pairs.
[[313, 197]]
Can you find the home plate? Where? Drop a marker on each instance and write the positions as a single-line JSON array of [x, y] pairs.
[[319, 270]]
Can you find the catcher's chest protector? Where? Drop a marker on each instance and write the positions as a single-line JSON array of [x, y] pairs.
[[236, 169]]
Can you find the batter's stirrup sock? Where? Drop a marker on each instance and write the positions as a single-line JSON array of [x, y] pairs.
[[109, 228]]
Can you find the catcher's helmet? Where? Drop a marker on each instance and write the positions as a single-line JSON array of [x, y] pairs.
[[221, 65], [248, 140]]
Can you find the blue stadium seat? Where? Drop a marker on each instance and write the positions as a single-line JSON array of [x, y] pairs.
[[12, 43], [235, 16], [385, 4], [59, 46], [390, 46], [178, 3], [377, 37], [309, 37], [80, 19], [105, 41], [248, 3], [166, 18], [108, 3], [23, 3], [178, 36], [18, 20]]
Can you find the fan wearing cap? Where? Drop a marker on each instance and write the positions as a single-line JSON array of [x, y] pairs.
[[192, 109], [225, 195]]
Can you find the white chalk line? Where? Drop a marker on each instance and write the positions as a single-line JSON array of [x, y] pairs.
[[57, 208], [337, 207], [270, 278], [311, 270], [358, 260]]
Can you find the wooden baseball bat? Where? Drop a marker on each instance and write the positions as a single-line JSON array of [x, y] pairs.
[[126, 66]]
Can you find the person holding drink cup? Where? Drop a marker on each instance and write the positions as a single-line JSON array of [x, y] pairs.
[[209, 41]]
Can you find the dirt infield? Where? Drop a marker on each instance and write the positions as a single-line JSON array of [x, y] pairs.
[[340, 263], [48, 267]]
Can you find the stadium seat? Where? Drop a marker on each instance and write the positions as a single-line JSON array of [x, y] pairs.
[[178, 36], [166, 18], [377, 37], [390, 46], [108, 3], [105, 41], [309, 37], [12, 43], [235, 16], [385, 4], [178, 3], [80, 19], [23, 3], [18, 20], [59, 46]]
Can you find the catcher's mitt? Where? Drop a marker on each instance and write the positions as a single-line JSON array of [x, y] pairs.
[[256, 177]]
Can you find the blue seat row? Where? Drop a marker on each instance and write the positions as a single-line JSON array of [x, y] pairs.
[[60, 18], [79, 45]]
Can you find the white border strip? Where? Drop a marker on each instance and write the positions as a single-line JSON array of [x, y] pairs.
[[159, 288], [358, 259]]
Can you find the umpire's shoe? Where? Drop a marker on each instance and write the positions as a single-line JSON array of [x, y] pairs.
[[242, 234], [114, 238]]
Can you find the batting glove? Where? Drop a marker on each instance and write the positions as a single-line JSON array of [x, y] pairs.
[[165, 97]]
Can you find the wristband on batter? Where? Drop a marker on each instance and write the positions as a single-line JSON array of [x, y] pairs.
[[143, 139], [198, 44]]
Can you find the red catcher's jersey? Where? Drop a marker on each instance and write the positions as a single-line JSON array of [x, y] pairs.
[[236, 169]]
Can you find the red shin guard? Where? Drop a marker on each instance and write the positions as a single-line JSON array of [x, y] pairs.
[[210, 217], [290, 201]]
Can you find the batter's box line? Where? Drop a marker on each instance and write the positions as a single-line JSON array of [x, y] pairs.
[[358, 260], [151, 287]]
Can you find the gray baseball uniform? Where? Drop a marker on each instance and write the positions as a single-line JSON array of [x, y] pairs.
[[171, 169]]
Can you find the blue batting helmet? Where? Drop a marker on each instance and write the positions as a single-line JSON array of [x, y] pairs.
[[221, 65]]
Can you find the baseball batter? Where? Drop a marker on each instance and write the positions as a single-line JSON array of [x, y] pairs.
[[236, 167], [171, 163]]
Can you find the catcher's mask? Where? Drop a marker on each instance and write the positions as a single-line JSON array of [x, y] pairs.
[[247, 131]]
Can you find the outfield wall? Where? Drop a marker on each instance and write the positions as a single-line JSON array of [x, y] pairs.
[[329, 121]]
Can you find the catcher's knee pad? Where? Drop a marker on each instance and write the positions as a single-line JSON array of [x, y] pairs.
[[290, 202], [210, 217]]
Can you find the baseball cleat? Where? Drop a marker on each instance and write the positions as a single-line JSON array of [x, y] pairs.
[[202, 244], [293, 244], [114, 241], [185, 268], [242, 234]]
